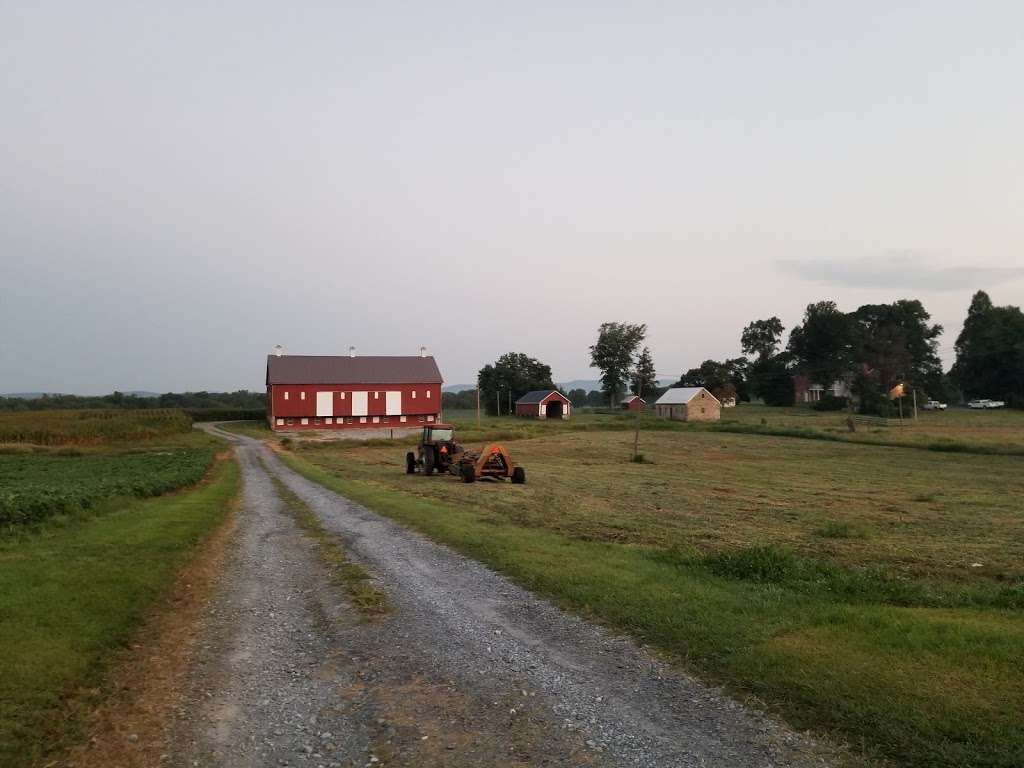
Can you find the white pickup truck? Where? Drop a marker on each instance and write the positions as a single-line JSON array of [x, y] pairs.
[[934, 405], [985, 403]]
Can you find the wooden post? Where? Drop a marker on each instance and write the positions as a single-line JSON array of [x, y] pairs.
[[497, 396], [478, 407], [915, 403], [899, 400]]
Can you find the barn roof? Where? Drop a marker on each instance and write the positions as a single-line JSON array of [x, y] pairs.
[[538, 395], [630, 398], [680, 395], [344, 369]]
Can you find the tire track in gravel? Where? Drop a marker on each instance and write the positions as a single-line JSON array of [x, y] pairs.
[[467, 670]]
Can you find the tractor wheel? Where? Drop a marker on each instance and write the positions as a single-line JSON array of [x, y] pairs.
[[410, 463], [518, 475], [467, 473], [428, 460]]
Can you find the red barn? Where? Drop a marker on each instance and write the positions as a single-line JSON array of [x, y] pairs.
[[349, 392], [544, 404], [632, 403]]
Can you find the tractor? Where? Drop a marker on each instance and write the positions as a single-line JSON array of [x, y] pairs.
[[438, 452]]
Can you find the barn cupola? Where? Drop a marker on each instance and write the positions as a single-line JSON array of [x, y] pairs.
[[423, 351], [278, 350], [351, 351]]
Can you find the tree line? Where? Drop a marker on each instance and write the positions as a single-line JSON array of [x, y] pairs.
[[876, 351], [240, 399], [879, 352]]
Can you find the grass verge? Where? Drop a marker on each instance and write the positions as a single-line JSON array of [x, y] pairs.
[[354, 580], [918, 686], [72, 597]]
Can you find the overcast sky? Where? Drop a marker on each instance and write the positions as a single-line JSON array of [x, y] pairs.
[[183, 186]]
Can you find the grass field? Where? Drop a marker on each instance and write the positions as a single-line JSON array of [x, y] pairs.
[[871, 592], [71, 597]]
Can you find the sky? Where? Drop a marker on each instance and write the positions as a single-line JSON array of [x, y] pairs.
[[185, 185]]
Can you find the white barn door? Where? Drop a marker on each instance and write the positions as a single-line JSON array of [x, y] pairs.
[[359, 403], [393, 404], [324, 403]]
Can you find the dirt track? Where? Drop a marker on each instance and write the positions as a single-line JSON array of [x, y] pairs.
[[467, 669]]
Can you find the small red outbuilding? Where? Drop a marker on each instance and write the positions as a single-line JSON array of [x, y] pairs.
[[544, 404], [633, 403]]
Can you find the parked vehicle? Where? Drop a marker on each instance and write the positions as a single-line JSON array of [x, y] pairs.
[[985, 403], [934, 405]]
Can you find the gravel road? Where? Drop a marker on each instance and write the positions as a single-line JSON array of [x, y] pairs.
[[466, 670]]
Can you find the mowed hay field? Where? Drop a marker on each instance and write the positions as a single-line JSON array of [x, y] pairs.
[[997, 431], [873, 593]]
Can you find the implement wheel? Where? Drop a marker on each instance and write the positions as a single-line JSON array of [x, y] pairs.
[[410, 463], [518, 475], [467, 473]]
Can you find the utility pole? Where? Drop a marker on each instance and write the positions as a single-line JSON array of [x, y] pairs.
[[497, 397], [636, 436], [915, 403], [478, 407], [510, 401]]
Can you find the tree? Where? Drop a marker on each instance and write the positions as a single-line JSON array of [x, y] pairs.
[[713, 375], [645, 381], [990, 352], [613, 355], [595, 398], [772, 380], [512, 372], [897, 344], [823, 345], [578, 397], [761, 338], [726, 391]]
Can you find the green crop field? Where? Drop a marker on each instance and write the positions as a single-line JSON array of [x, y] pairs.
[[91, 427], [34, 487], [870, 592], [60, 463]]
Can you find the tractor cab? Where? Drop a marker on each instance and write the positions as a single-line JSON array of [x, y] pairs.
[[436, 450], [435, 434]]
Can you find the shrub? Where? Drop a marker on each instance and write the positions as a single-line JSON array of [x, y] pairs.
[[832, 403]]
